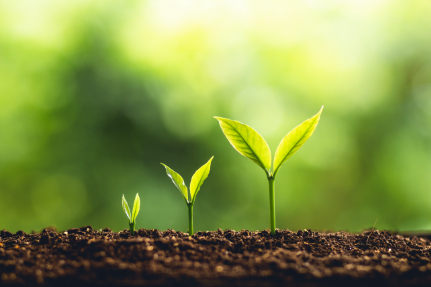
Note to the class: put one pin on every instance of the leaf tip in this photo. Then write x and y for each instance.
(210, 160)
(220, 119)
(320, 112)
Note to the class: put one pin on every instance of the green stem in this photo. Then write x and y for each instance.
(132, 227)
(271, 204)
(190, 207)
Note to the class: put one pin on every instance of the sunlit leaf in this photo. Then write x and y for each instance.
(198, 179)
(178, 181)
(136, 207)
(126, 207)
(247, 142)
(294, 140)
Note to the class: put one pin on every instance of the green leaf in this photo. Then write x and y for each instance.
(294, 140)
(136, 207)
(126, 207)
(198, 179)
(178, 182)
(247, 142)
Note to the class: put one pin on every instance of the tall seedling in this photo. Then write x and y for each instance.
(197, 180)
(251, 144)
(132, 216)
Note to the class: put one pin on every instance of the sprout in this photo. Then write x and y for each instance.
(197, 180)
(251, 144)
(132, 217)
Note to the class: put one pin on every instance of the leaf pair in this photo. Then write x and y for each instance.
(197, 180)
(136, 207)
(251, 144)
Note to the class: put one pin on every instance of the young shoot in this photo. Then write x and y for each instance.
(132, 217)
(197, 180)
(251, 144)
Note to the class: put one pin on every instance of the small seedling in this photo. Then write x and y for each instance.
(251, 144)
(132, 217)
(197, 180)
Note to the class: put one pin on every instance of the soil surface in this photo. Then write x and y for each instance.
(221, 258)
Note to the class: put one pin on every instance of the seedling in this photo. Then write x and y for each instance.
(197, 180)
(132, 217)
(251, 144)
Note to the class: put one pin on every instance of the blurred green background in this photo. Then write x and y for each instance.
(95, 94)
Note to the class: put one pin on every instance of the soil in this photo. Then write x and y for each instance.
(221, 258)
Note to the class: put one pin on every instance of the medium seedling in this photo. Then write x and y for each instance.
(132, 217)
(197, 180)
(251, 144)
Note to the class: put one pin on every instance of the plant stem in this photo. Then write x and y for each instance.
(190, 207)
(271, 204)
(132, 227)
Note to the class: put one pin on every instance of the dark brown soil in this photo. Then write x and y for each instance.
(222, 258)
